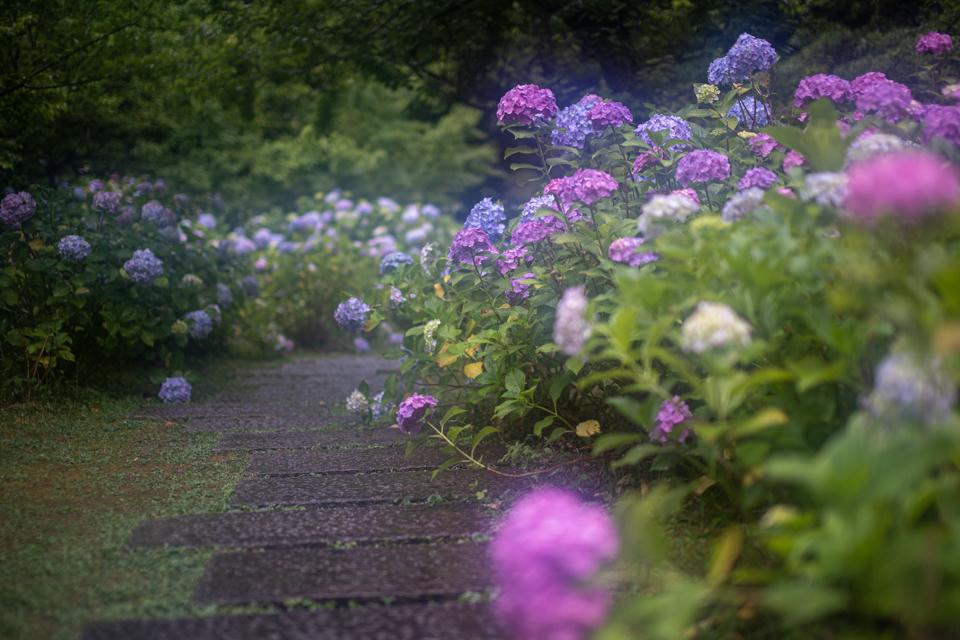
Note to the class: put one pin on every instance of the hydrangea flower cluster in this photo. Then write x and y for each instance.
(860, 84)
(891, 101)
(213, 311)
(379, 409)
(671, 414)
(942, 122)
(181, 201)
(428, 257)
(793, 159)
(757, 177)
(909, 185)
(153, 211)
(821, 85)
(762, 144)
(430, 335)
(749, 112)
(357, 403)
(179, 328)
(585, 185)
(676, 207)
(468, 246)
(935, 43)
(175, 391)
(741, 204)
(676, 128)
(412, 411)
(17, 208)
(519, 290)
(706, 93)
(609, 114)
(224, 295)
(625, 251)
(351, 315)
(250, 287)
(747, 55)
(529, 232)
(875, 144)
(574, 128)
(571, 327)
(512, 258)
(207, 220)
(702, 165)
(487, 215)
(200, 324)
(106, 201)
(535, 204)
(144, 267)
(548, 547)
(828, 189)
(527, 104)
(73, 248)
(711, 326)
(393, 260)
(909, 388)
(951, 91)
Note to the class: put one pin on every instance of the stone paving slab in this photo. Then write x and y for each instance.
(328, 439)
(287, 463)
(345, 574)
(272, 529)
(232, 410)
(448, 621)
(365, 489)
(272, 424)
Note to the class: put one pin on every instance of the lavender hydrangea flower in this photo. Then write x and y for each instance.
(942, 122)
(891, 101)
(94, 186)
(393, 261)
(488, 216)
(244, 245)
(757, 177)
(430, 211)
(535, 204)
(378, 408)
(549, 546)
(571, 328)
(671, 414)
(411, 214)
(17, 208)
(144, 187)
(574, 128)
(702, 165)
(144, 267)
(175, 391)
(518, 290)
(388, 204)
(361, 345)
(181, 201)
(126, 217)
(262, 238)
(250, 287)
(343, 205)
(935, 43)
(747, 55)
(793, 159)
(819, 86)
(609, 114)
(909, 185)
(106, 201)
(153, 211)
(625, 250)
(351, 315)
(719, 71)
(527, 104)
(741, 204)
(909, 388)
(676, 128)
(529, 232)
(828, 189)
(207, 220)
(749, 112)
(201, 323)
(412, 411)
(73, 248)
(287, 247)
(713, 325)
(469, 245)
(357, 403)
(224, 295)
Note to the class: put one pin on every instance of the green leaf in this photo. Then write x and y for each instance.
(514, 383)
(556, 434)
(560, 383)
(521, 149)
(416, 442)
(480, 436)
(163, 282)
(147, 338)
(446, 465)
(454, 411)
(637, 454)
(613, 440)
(364, 388)
(9, 296)
(542, 424)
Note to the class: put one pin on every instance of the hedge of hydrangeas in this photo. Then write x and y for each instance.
(755, 303)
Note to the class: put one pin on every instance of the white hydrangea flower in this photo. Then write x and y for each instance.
(428, 257)
(191, 281)
(906, 388)
(742, 203)
(571, 328)
(430, 334)
(828, 189)
(874, 145)
(713, 325)
(356, 402)
(675, 207)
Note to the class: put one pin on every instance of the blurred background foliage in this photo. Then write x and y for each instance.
(265, 102)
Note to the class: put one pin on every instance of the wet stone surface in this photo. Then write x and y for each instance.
(358, 460)
(272, 529)
(448, 621)
(349, 574)
(272, 423)
(329, 438)
(371, 488)
(229, 410)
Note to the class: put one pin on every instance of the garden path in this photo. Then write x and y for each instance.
(331, 512)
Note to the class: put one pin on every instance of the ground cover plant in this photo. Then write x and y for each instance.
(756, 303)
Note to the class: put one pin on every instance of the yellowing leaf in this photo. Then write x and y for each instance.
(725, 554)
(471, 351)
(438, 289)
(446, 278)
(588, 428)
(36, 244)
(82, 290)
(447, 360)
(703, 484)
(473, 370)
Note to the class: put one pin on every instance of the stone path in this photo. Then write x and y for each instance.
(369, 527)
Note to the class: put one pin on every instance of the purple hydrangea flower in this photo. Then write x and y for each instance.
(153, 211)
(144, 187)
(909, 185)
(677, 128)
(73, 248)
(430, 211)
(535, 204)
(244, 245)
(126, 217)
(207, 220)
(867, 81)
(181, 201)
(343, 205)
(175, 391)
(749, 112)
(287, 247)
(361, 345)
(17, 208)
(469, 244)
(702, 165)
(577, 127)
(144, 267)
(747, 55)
(935, 43)
(201, 323)
(250, 287)
(527, 104)
(392, 261)
(262, 238)
(942, 122)
(762, 144)
(672, 413)
(624, 250)
(352, 315)
(388, 204)
(589, 185)
(819, 86)
(107, 201)
(412, 411)
(488, 216)
(891, 101)
(160, 187)
(533, 231)
(757, 177)
(571, 327)
(549, 546)
(519, 290)
(609, 114)
(224, 295)
(306, 223)
(511, 259)
(94, 186)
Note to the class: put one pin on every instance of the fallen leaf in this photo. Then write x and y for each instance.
(588, 428)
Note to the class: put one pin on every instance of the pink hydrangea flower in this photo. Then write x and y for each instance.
(935, 43)
(793, 159)
(550, 544)
(688, 192)
(762, 144)
(624, 250)
(527, 104)
(909, 185)
(609, 114)
(590, 185)
(511, 259)
(702, 165)
(861, 83)
(819, 86)
(412, 411)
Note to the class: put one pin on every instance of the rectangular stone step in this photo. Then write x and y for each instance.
(314, 527)
(230, 410)
(408, 571)
(365, 489)
(288, 463)
(446, 621)
(271, 423)
(327, 439)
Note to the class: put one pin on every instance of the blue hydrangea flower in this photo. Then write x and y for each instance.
(202, 324)
(908, 387)
(250, 287)
(262, 238)
(73, 248)
(577, 126)
(749, 54)
(288, 247)
(79, 193)
(207, 220)
(429, 211)
(224, 295)
(488, 216)
(175, 391)
(352, 315)
(379, 409)
(144, 267)
(673, 126)
(535, 204)
(719, 71)
(361, 345)
(751, 115)
(153, 211)
(393, 260)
